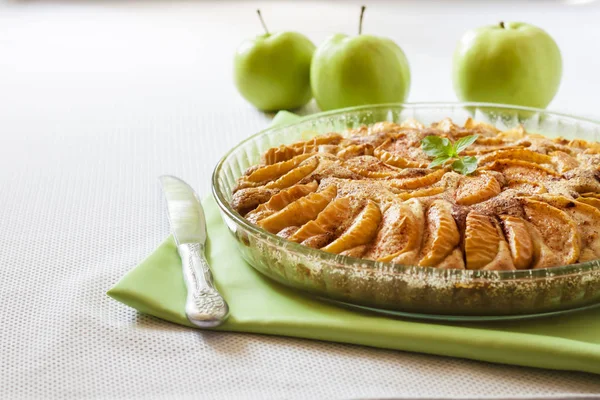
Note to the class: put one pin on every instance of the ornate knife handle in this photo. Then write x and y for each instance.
(204, 306)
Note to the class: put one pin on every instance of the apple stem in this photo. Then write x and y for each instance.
(362, 13)
(262, 21)
(502, 25)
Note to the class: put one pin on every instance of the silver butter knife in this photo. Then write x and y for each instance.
(204, 306)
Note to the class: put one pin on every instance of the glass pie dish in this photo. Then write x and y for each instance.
(405, 289)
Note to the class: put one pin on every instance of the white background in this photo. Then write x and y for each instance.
(99, 98)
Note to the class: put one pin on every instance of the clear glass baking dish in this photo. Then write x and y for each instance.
(403, 288)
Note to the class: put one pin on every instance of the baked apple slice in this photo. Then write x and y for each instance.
(360, 232)
(472, 190)
(278, 154)
(563, 162)
(300, 211)
(312, 144)
(591, 201)
(519, 241)
(481, 240)
(558, 234)
(420, 181)
(516, 154)
(517, 169)
(355, 150)
(295, 175)
(274, 171)
(586, 218)
(326, 222)
(399, 238)
(591, 194)
(281, 200)
(442, 234)
(454, 261)
(432, 191)
(397, 160)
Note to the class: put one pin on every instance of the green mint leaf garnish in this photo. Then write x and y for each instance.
(471, 163)
(435, 146)
(439, 161)
(442, 151)
(462, 143)
(465, 165)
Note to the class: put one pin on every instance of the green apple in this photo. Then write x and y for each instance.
(272, 71)
(364, 69)
(512, 63)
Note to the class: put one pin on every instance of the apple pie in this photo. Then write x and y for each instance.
(532, 202)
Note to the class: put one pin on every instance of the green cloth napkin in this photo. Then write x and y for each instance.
(259, 305)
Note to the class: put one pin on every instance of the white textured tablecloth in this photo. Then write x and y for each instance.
(98, 99)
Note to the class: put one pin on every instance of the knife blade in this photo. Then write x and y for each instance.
(204, 306)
